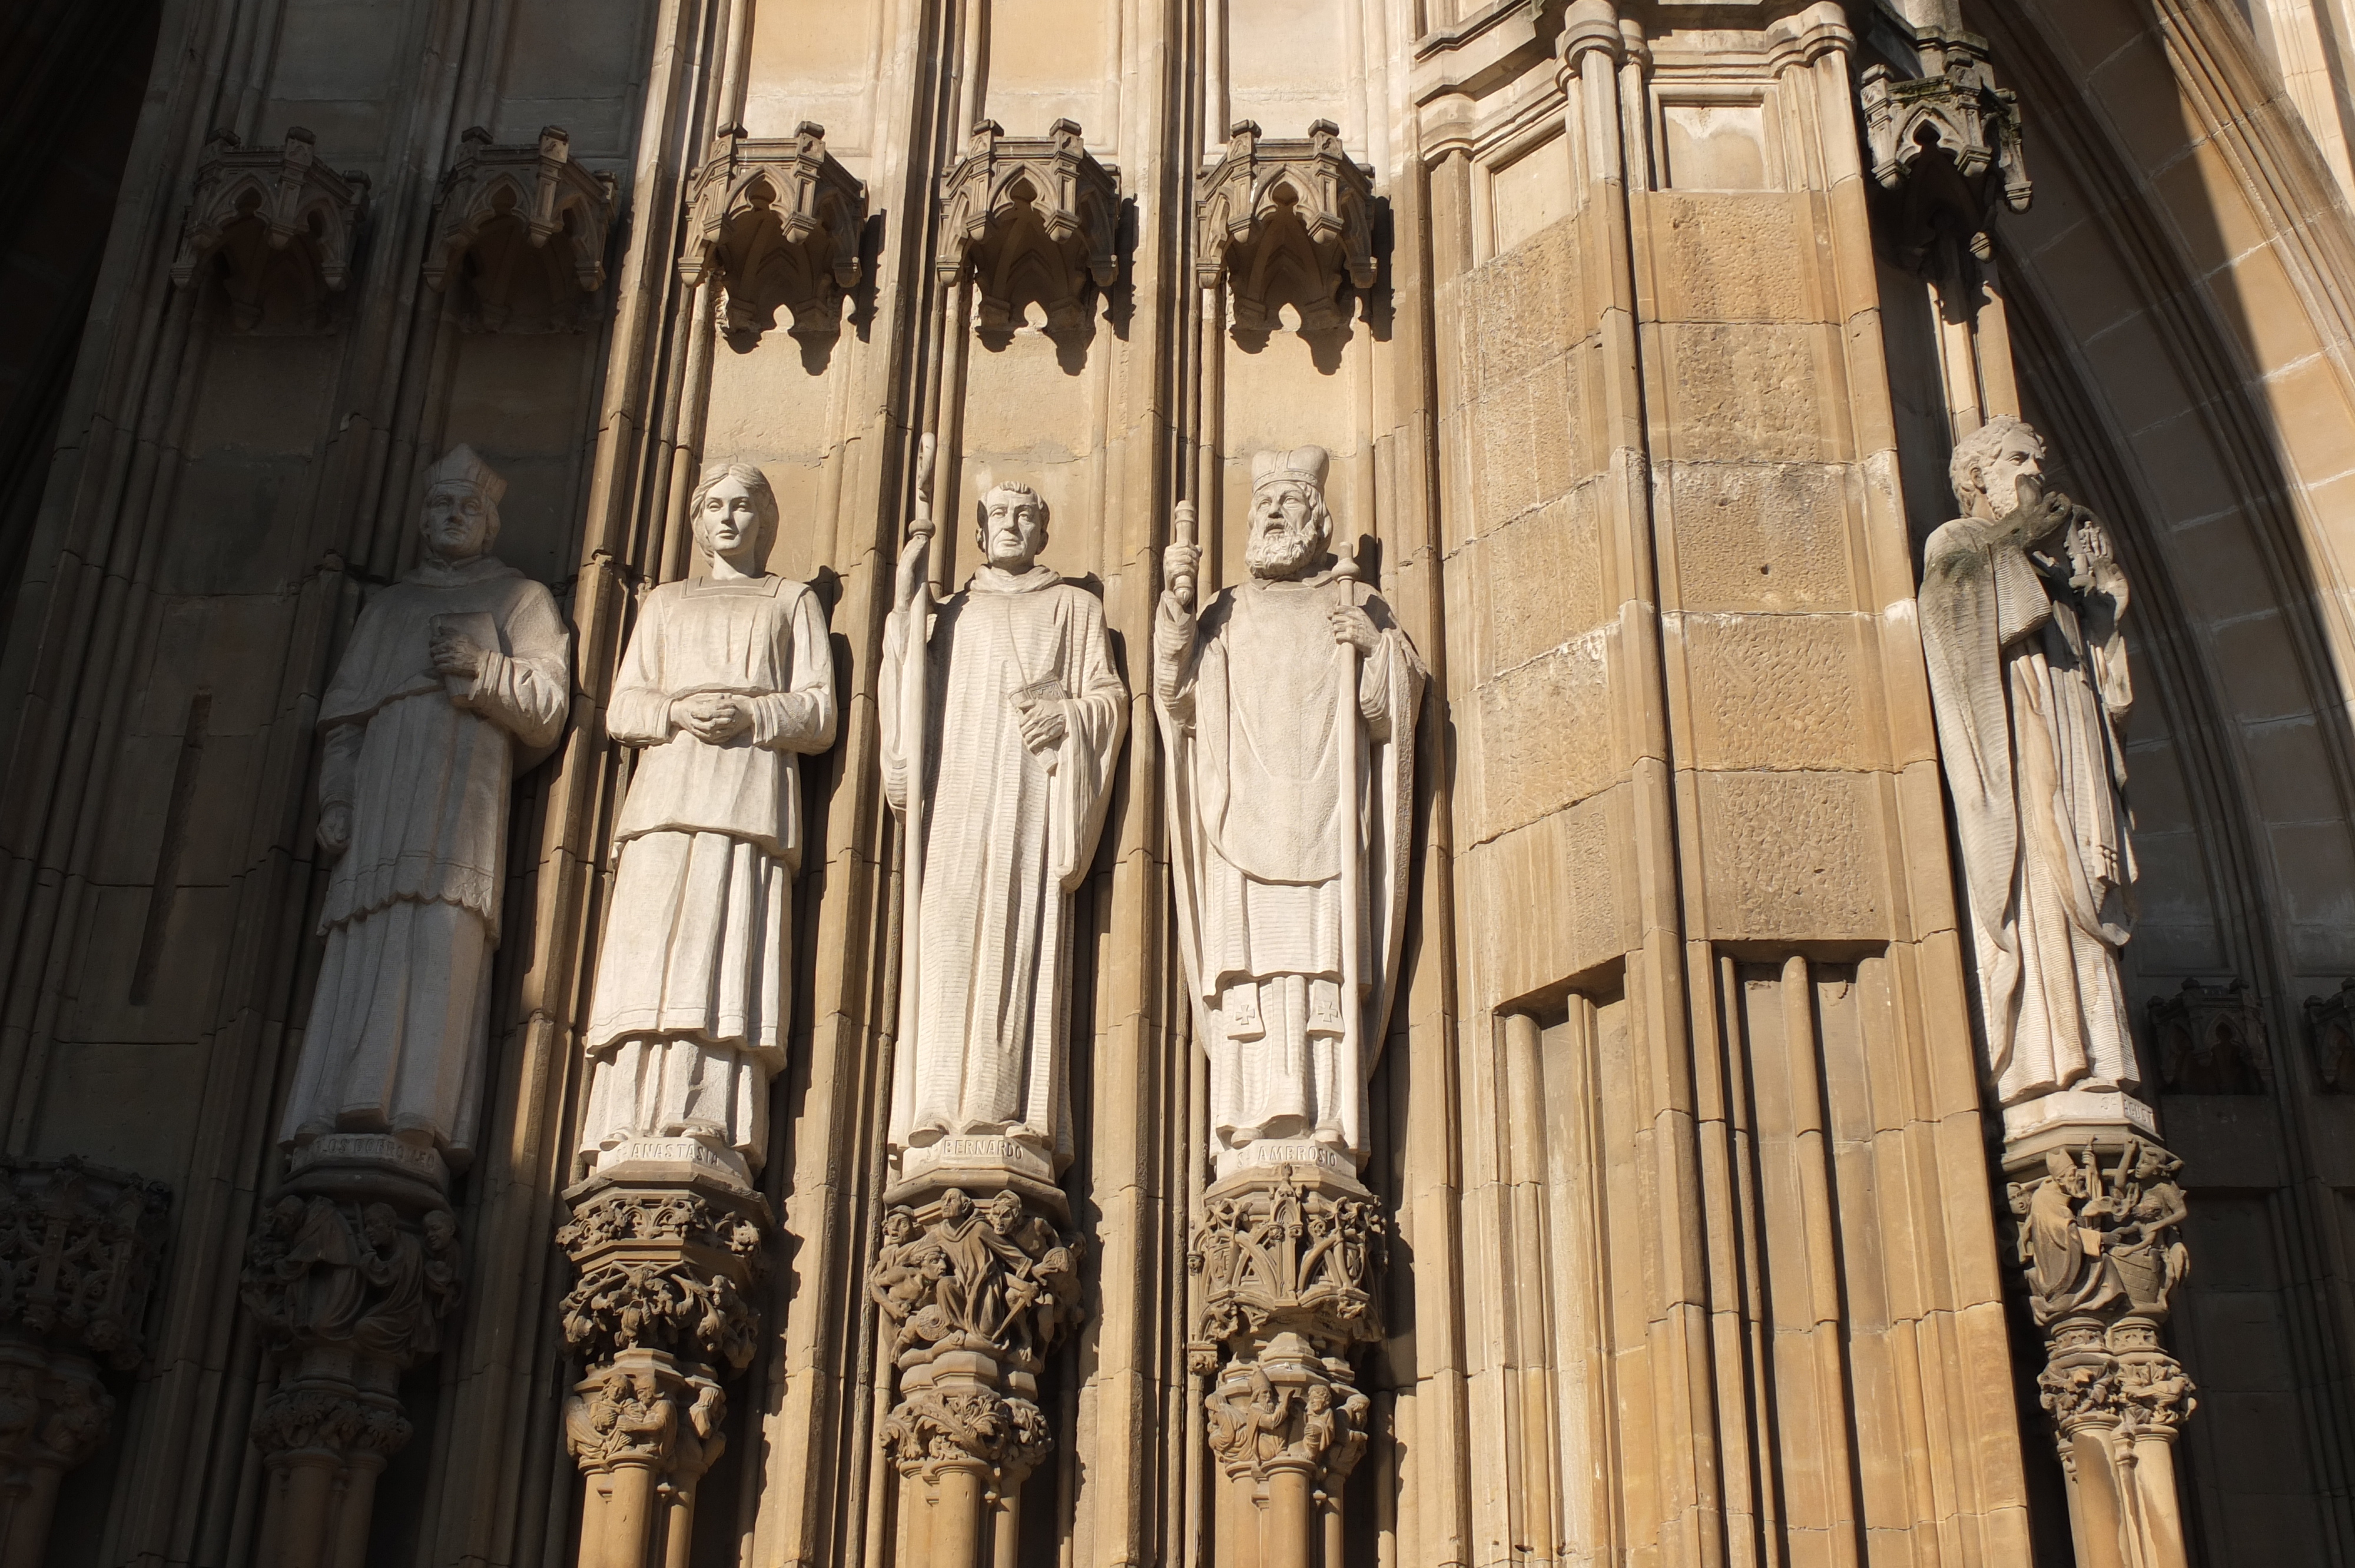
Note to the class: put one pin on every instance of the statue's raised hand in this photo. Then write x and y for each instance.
(1180, 565)
(336, 830)
(908, 579)
(1353, 628)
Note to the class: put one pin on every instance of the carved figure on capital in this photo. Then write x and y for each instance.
(2021, 602)
(456, 678)
(1009, 771)
(727, 679)
(1288, 713)
(995, 1278)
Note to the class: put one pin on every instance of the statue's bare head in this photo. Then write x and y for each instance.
(735, 514)
(461, 518)
(1989, 463)
(1009, 525)
(1290, 525)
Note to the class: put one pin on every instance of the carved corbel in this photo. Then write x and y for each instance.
(776, 223)
(1285, 222)
(1289, 1259)
(502, 207)
(79, 1249)
(2330, 1022)
(1947, 141)
(2100, 1242)
(660, 1313)
(2210, 1040)
(973, 1295)
(1034, 218)
(265, 213)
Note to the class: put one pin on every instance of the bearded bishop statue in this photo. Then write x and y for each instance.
(456, 677)
(2021, 601)
(1288, 715)
(728, 680)
(1012, 762)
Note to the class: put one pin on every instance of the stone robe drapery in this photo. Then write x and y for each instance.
(2029, 681)
(689, 1018)
(400, 1018)
(1263, 849)
(1010, 833)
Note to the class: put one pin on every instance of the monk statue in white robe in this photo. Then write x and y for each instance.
(2021, 601)
(1288, 715)
(728, 680)
(456, 677)
(1025, 716)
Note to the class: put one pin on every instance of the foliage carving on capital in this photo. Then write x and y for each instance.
(966, 1424)
(1034, 218)
(494, 196)
(254, 206)
(776, 223)
(662, 1270)
(1285, 222)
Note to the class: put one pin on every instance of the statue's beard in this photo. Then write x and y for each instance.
(1283, 553)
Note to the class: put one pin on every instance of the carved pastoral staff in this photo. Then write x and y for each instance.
(1289, 714)
(457, 676)
(1024, 723)
(2021, 601)
(727, 677)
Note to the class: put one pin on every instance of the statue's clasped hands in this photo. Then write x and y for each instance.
(712, 717)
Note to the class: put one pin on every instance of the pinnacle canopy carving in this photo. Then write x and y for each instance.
(1285, 222)
(1036, 217)
(776, 223)
(510, 207)
(254, 206)
(1953, 110)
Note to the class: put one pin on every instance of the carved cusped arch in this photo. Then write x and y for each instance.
(1036, 218)
(1285, 222)
(1949, 142)
(276, 218)
(778, 224)
(507, 218)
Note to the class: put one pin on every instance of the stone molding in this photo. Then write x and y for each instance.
(775, 223)
(1273, 213)
(1030, 213)
(250, 203)
(539, 187)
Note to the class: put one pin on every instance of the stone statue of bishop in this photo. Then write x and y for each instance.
(1288, 713)
(456, 677)
(1027, 713)
(2021, 601)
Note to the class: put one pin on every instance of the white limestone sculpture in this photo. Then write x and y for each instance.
(456, 676)
(1025, 721)
(2021, 601)
(1288, 717)
(727, 678)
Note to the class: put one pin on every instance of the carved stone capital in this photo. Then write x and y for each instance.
(2100, 1231)
(80, 1244)
(1035, 217)
(645, 1408)
(1285, 221)
(521, 206)
(360, 1276)
(1295, 1250)
(329, 1422)
(253, 205)
(966, 1423)
(777, 223)
(1288, 1412)
(665, 1269)
(1949, 139)
(2211, 1039)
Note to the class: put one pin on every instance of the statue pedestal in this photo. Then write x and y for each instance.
(1291, 1257)
(670, 1254)
(977, 1282)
